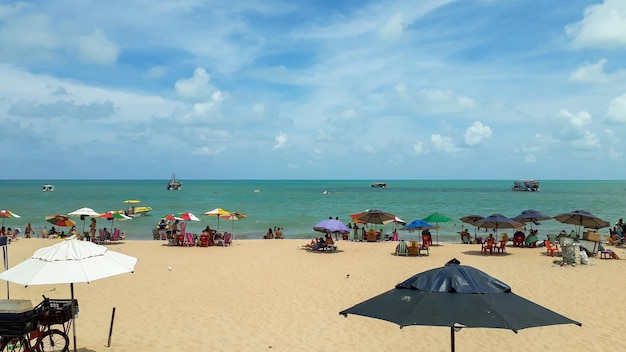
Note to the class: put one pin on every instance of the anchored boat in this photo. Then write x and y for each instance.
(526, 186)
(174, 184)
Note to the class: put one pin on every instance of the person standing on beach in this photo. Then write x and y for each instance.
(28, 230)
(92, 228)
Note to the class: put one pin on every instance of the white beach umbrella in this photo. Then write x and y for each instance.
(84, 213)
(67, 262)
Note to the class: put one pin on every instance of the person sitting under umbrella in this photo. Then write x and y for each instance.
(52, 231)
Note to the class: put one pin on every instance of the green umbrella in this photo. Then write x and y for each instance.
(437, 218)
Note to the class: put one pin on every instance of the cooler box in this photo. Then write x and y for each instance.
(591, 236)
(17, 317)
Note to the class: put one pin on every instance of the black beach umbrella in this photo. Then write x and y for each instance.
(530, 216)
(471, 219)
(497, 221)
(456, 296)
(582, 218)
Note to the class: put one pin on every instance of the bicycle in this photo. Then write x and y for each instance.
(32, 331)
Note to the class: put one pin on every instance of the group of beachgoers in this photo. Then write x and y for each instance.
(174, 232)
(276, 233)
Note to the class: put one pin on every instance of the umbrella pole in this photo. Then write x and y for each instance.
(73, 315)
(452, 338)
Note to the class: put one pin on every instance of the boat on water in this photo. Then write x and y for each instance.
(134, 210)
(48, 188)
(174, 184)
(379, 185)
(525, 186)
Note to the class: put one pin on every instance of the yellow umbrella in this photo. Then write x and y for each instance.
(217, 212)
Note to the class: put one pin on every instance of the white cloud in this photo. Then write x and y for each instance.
(443, 144)
(204, 150)
(617, 110)
(156, 72)
(418, 147)
(393, 27)
(437, 94)
(96, 48)
(281, 141)
(590, 73)
(476, 133)
(466, 102)
(578, 119)
(588, 141)
(603, 26)
(196, 88)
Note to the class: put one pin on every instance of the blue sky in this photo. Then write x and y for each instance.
(430, 89)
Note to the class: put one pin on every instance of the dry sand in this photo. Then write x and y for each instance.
(268, 295)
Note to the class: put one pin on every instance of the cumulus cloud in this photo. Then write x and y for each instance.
(616, 112)
(443, 144)
(588, 141)
(578, 119)
(63, 108)
(603, 26)
(590, 73)
(197, 88)
(96, 48)
(281, 141)
(476, 133)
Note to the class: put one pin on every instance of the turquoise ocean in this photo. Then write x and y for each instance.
(298, 205)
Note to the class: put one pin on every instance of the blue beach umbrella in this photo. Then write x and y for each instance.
(417, 225)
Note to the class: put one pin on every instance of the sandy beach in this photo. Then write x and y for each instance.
(260, 295)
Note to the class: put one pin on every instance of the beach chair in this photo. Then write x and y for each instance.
(101, 237)
(402, 249)
(413, 248)
(14, 236)
(116, 236)
(204, 240)
(551, 248)
(228, 238)
(189, 241)
(425, 247)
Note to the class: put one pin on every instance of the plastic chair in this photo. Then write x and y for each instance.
(502, 247)
(550, 248)
(402, 249)
(488, 246)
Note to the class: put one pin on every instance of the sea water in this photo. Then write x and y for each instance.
(297, 206)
